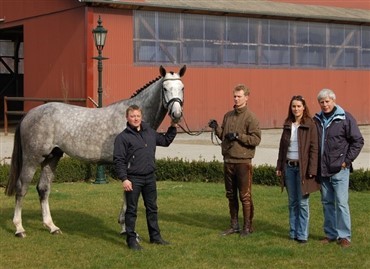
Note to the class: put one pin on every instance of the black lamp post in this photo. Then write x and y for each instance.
(100, 34)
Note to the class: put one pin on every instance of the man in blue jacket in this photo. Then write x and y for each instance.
(134, 160)
(340, 142)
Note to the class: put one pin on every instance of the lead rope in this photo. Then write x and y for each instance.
(187, 131)
(214, 136)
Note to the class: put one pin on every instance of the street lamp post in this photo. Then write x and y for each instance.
(100, 34)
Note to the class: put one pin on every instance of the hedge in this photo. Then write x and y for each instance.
(73, 170)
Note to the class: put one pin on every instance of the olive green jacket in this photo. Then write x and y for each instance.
(243, 122)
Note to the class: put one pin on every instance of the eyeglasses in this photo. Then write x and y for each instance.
(297, 97)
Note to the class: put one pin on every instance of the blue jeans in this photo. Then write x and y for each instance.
(334, 198)
(299, 210)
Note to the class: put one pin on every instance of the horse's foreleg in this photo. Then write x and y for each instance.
(121, 217)
(43, 189)
(46, 216)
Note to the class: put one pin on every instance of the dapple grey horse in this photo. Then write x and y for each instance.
(49, 130)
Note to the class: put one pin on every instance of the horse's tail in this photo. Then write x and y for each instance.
(16, 163)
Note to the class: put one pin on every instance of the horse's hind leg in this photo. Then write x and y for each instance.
(43, 189)
(23, 182)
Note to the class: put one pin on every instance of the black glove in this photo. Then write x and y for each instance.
(213, 124)
(231, 136)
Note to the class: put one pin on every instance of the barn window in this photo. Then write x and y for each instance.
(11, 57)
(206, 40)
(365, 47)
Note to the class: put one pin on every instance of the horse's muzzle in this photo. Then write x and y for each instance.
(175, 110)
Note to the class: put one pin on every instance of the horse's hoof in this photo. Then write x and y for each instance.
(56, 232)
(20, 235)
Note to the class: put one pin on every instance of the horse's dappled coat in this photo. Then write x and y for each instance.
(49, 130)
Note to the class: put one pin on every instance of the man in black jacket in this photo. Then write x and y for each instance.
(134, 160)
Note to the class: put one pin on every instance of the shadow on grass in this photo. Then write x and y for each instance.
(220, 223)
(70, 223)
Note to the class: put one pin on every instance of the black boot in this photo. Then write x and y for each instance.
(133, 244)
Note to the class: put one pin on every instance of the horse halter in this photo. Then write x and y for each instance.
(168, 104)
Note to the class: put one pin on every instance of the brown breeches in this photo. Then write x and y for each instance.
(238, 181)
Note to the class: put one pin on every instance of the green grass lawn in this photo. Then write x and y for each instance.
(191, 216)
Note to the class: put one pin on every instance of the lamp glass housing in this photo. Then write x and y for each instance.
(100, 33)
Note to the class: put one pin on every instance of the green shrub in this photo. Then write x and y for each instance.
(72, 170)
(4, 173)
(265, 175)
(195, 171)
(360, 180)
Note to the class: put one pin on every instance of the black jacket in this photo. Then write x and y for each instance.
(134, 151)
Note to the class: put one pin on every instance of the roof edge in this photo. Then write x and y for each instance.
(304, 16)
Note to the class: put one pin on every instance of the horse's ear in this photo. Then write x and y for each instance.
(182, 71)
(162, 71)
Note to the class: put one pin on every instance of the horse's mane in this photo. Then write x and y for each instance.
(145, 86)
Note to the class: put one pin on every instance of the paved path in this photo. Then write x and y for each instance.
(200, 147)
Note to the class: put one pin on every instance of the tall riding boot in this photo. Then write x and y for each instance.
(248, 216)
(245, 194)
(234, 223)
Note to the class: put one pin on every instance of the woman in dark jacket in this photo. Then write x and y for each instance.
(297, 165)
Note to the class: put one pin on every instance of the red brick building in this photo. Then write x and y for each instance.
(278, 48)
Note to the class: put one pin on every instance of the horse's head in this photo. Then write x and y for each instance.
(173, 92)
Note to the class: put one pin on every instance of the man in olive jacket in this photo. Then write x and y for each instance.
(240, 134)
